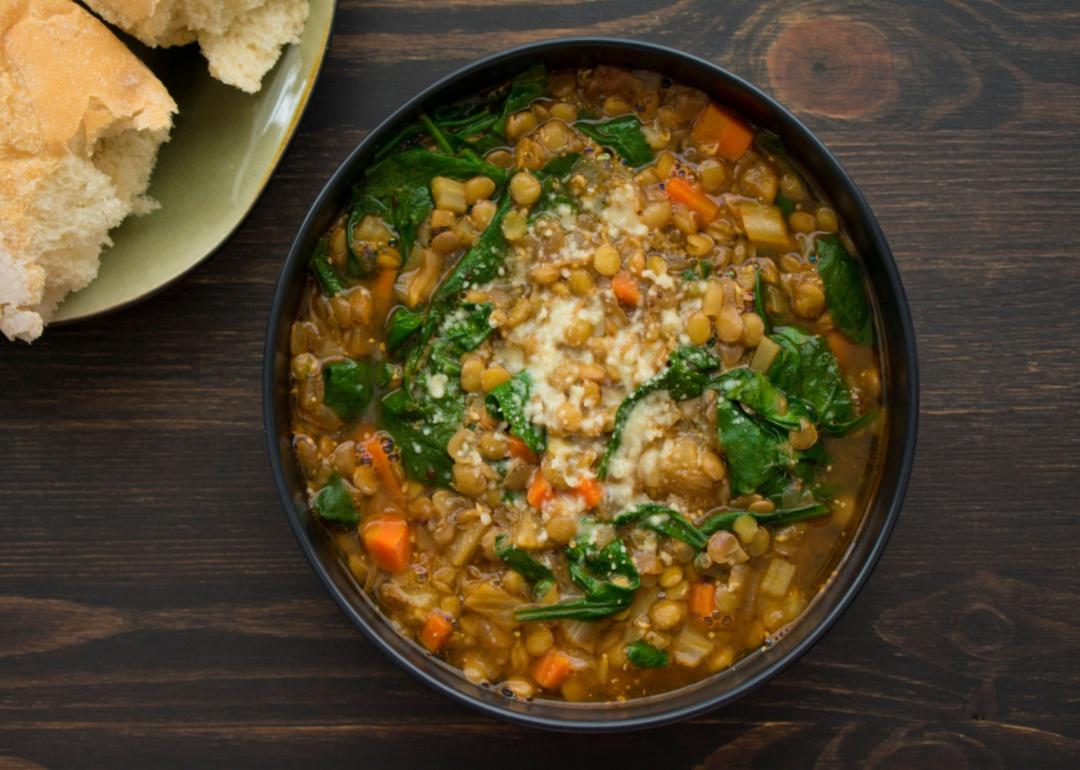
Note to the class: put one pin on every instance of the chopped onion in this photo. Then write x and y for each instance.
(643, 599)
(490, 600)
(777, 578)
(690, 646)
(582, 633)
(465, 543)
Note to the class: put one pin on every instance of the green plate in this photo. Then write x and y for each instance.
(225, 145)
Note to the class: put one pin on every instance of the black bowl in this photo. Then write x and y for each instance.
(901, 392)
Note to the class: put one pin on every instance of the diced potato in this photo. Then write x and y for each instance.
(777, 578)
(449, 194)
(764, 226)
(764, 355)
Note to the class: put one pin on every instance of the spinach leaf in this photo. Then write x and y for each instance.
(623, 135)
(808, 461)
(756, 453)
(421, 430)
(607, 576)
(529, 568)
(644, 655)
(329, 279)
(470, 127)
(806, 369)
(468, 327)
(699, 272)
(404, 136)
(421, 422)
(479, 124)
(726, 520)
(559, 168)
(755, 391)
(348, 387)
(525, 89)
(429, 408)
(666, 521)
(385, 373)
(759, 302)
(552, 177)
(770, 142)
(840, 428)
(845, 294)
(477, 266)
(571, 609)
(403, 322)
(508, 402)
(685, 376)
(785, 204)
(465, 112)
(397, 190)
(461, 332)
(334, 502)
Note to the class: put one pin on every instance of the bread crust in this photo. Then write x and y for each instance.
(66, 84)
(78, 96)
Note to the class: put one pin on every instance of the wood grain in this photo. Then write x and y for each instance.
(156, 612)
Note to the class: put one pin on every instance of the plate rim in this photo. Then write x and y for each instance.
(283, 147)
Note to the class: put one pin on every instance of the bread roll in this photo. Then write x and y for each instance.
(241, 39)
(81, 121)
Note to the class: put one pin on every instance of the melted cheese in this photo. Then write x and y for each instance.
(649, 420)
(621, 210)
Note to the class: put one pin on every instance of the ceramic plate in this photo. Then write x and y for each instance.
(225, 145)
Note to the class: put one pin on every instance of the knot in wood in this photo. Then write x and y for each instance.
(832, 66)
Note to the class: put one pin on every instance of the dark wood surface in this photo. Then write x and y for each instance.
(156, 612)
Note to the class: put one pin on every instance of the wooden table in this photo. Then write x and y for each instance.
(156, 612)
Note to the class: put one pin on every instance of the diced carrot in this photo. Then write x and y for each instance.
(717, 126)
(436, 631)
(625, 288)
(843, 348)
(540, 490)
(386, 539)
(520, 450)
(681, 191)
(702, 599)
(382, 292)
(591, 492)
(552, 669)
(375, 448)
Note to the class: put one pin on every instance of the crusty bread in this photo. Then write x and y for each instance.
(241, 39)
(81, 120)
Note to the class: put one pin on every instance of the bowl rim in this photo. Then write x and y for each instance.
(909, 389)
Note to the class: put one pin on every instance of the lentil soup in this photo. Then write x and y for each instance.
(585, 385)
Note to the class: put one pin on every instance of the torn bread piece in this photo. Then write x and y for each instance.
(241, 39)
(81, 121)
